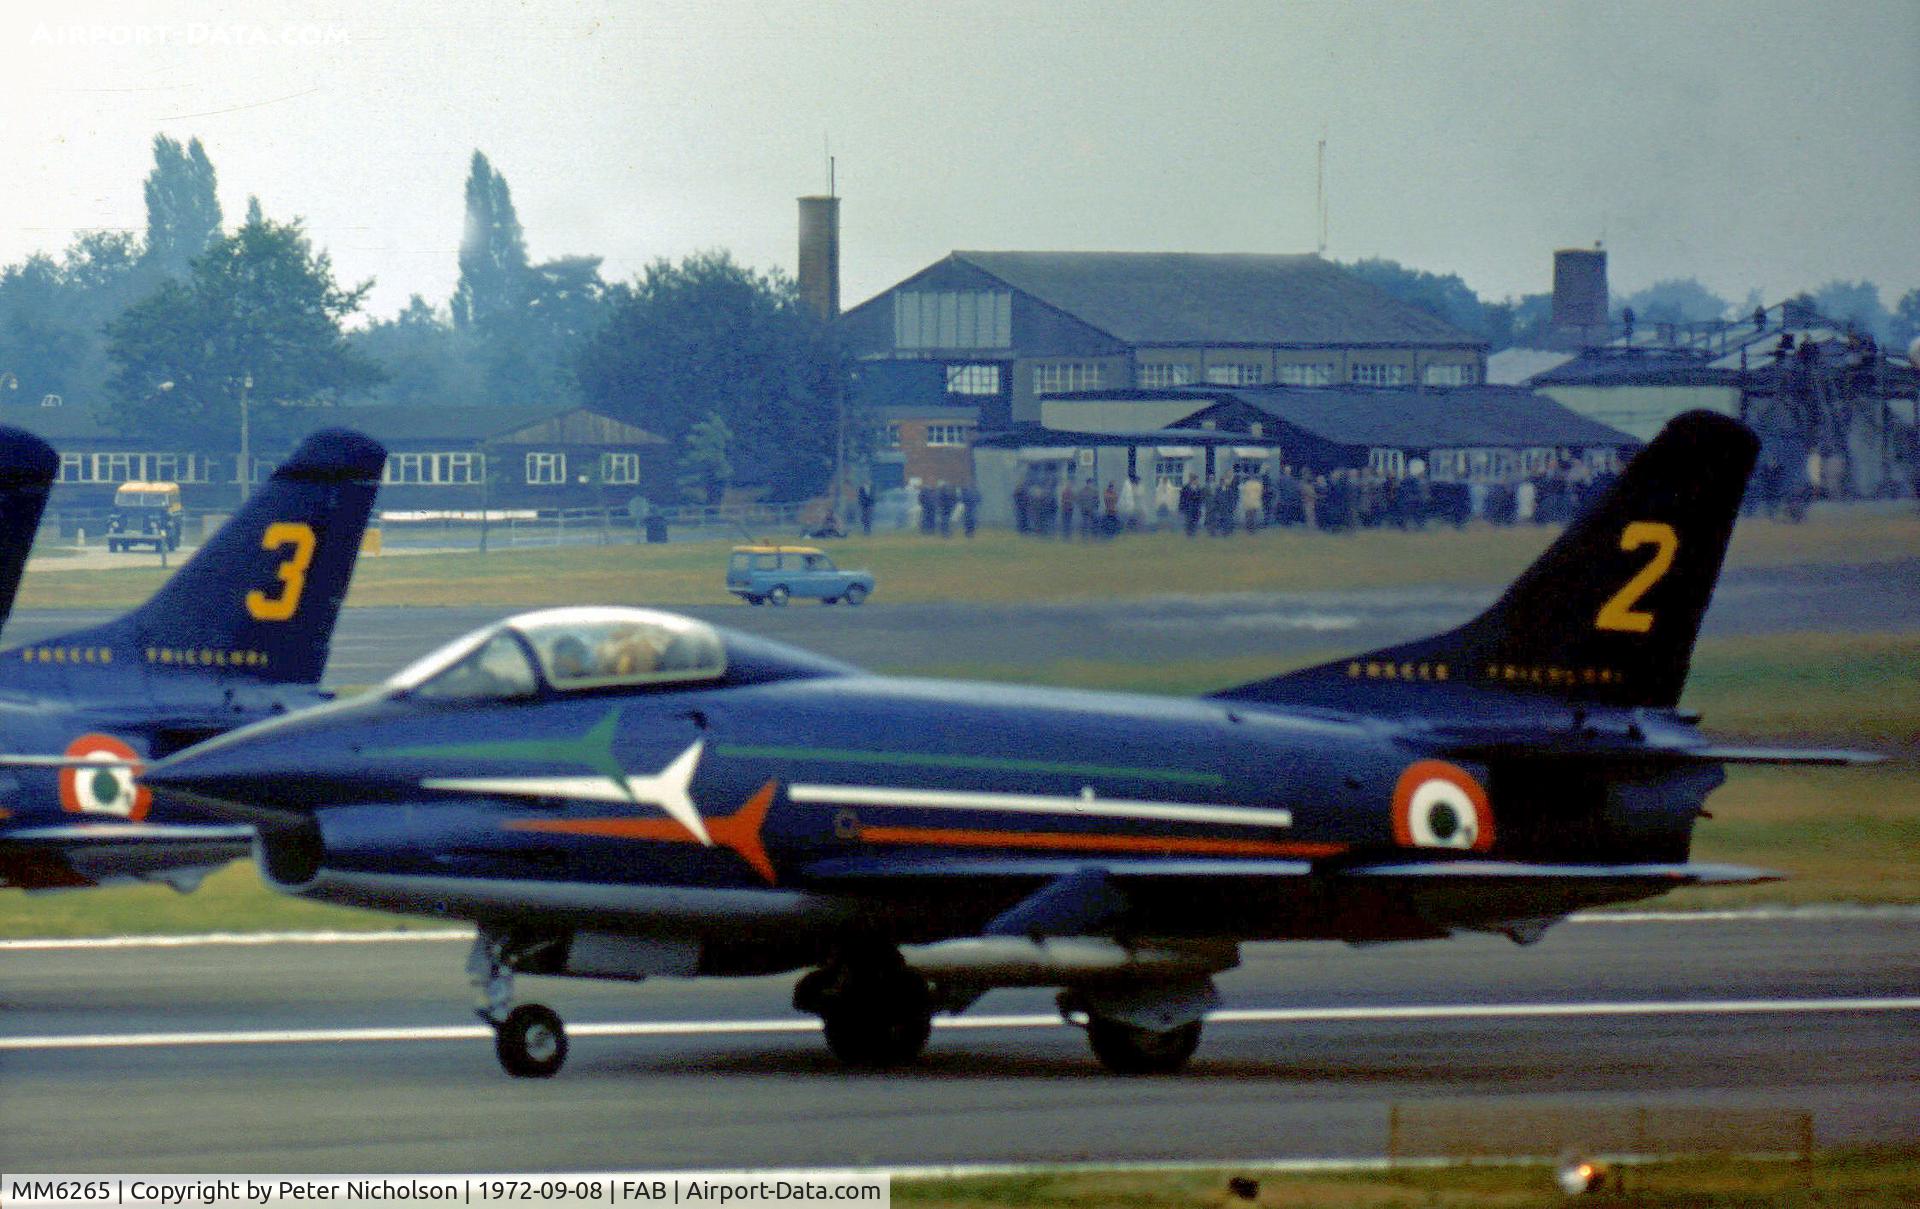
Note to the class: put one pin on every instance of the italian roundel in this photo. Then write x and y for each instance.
(1440, 805)
(108, 789)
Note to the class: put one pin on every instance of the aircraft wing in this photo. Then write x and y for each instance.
(1373, 901)
(78, 855)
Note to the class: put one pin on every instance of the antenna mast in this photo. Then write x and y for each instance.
(1320, 176)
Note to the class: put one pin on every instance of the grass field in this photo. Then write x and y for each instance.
(1002, 568)
(1866, 1179)
(1844, 835)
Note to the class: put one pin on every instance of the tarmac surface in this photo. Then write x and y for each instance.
(371, 644)
(206, 1058)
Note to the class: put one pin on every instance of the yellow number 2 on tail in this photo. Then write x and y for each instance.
(1618, 613)
(298, 539)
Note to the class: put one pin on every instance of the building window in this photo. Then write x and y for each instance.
(953, 319)
(1170, 470)
(1237, 373)
(621, 468)
(73, 468)
(178, 468)
(1306, 373)
(1451, 375)
(1249, 468)
(546, 469)
(1390, 462)
(1378, 373)
(976, 379)
(458, 468)
(948, 435)
(432, 469)
(1060, 377)
(890, 439)
(1165, 373)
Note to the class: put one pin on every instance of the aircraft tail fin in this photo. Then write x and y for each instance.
(27, 469)
(1609, 613)
(260, 597)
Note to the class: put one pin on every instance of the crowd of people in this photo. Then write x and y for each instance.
(1335, 501)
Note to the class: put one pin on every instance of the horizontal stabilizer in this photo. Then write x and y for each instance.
(1508, 744)
(1823, 756)
(75, 835)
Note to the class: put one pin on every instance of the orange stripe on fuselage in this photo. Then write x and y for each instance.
(738, 832)
(955, 837)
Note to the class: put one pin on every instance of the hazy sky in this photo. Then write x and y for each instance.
(1769, 145)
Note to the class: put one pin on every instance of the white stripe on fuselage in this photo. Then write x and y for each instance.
(666, 789)
(1086, 805)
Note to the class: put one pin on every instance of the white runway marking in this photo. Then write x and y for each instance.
(1814, 914)
(729, 1028)
(231, 938)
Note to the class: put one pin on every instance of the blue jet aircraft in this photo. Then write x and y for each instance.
(238, 635)
(621, 793)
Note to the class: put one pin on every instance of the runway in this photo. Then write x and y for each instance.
(361, 1057)
(371, 644)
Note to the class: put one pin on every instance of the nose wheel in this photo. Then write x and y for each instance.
(531, 1042)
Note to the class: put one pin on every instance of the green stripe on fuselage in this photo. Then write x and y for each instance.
(593, 749)
(832, 755)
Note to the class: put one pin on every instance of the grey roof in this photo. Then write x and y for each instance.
(460, 427)
(1207, 298)
(1433, 417)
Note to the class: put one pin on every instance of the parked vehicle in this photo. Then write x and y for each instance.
(777, 574)
(145, 514)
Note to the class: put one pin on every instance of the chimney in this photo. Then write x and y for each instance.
(1580, 296)
(820, 255)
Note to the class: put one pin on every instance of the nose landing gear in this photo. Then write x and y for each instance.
(529, 1040)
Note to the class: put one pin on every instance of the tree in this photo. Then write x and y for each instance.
(423, 360)
(258, 317)
(1676, 300)
(1905, 325)
(1447, 298)
(705, 469)
(52, 312)
(493, 253)
(1855, 304)
(183, 211)
(526, 322)
(710, 337)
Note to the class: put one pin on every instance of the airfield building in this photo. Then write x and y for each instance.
(1009, 330)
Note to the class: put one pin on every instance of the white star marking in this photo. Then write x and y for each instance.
(666, 789)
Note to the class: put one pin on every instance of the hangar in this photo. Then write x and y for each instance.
(1010, 329)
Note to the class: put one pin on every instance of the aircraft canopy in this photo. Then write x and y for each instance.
(568, 650)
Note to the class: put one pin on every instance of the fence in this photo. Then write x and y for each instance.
(516, 527)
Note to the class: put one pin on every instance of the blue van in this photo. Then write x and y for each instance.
(776, 574)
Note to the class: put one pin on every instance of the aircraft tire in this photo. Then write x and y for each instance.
(531, 1042)
(1129, 1050)
(881, 1023)
(777, 595)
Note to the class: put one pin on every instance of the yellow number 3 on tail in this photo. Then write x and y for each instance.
(1618, 613)
(298, 539)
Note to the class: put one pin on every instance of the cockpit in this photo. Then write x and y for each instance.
(567, 650)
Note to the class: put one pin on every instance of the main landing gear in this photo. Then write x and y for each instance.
(529, 1040)
(1145, 1031)
(876, 1012)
